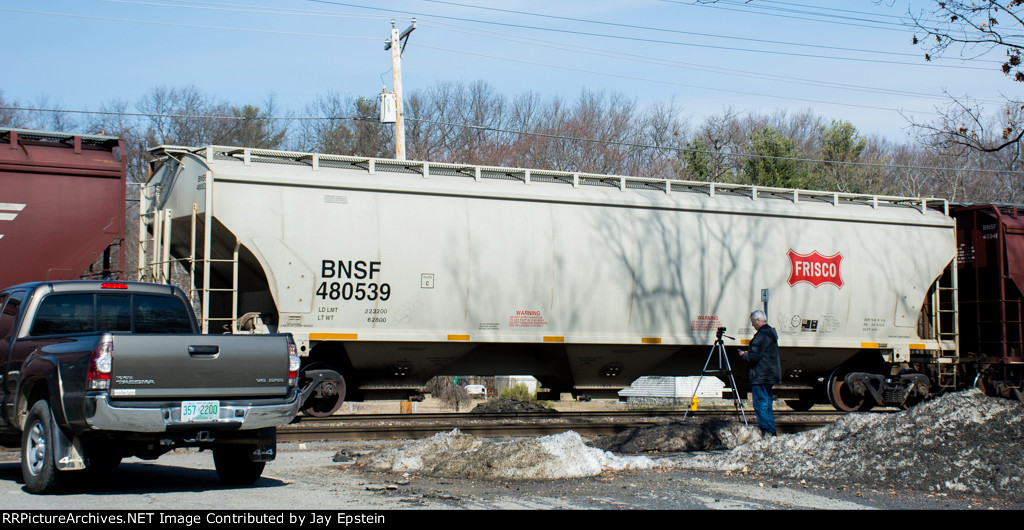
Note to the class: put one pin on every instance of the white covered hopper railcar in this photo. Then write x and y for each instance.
(389, 272)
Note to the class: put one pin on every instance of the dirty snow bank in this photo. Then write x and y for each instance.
(963, 442)
(454, 453)
(696, 434)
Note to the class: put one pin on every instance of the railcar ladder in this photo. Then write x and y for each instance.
(946, 319)
(207, 291)
(155, 263)
(154, 251)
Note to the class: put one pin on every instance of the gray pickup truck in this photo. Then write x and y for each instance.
(93, 372)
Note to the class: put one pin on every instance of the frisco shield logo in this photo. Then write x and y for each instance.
(815, 269)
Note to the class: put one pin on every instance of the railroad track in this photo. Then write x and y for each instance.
(412, 426)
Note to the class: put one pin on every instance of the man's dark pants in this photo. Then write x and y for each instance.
(762, 399)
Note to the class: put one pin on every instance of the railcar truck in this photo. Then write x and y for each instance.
(389, 272)
(96, 371)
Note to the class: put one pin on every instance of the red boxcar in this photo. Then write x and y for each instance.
(62, 206)
(990, 270)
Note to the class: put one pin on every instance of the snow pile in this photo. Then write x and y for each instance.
(963, 442)
(454, 453)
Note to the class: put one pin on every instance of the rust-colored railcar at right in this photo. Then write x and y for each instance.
(990, 271)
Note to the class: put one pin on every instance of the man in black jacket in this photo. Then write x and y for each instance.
(765, 370)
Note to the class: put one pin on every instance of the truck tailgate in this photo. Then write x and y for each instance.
(154, 367)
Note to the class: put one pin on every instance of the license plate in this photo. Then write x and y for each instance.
(200, 410)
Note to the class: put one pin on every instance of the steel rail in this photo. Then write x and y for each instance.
(414, 426)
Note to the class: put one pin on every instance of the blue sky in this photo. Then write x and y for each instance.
(850, 60)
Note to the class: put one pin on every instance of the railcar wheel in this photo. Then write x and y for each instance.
(802, 403)
(841, 398)
(328, 392)
(982, 383)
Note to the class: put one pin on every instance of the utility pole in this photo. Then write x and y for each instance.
(396, 80)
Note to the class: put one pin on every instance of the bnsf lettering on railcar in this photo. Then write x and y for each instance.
(359, 270)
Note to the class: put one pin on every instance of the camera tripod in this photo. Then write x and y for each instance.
(723, 368)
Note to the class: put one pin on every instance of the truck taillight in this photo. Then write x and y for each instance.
(100, 364)
(293, 364)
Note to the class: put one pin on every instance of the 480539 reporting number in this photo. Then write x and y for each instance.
(354, 291)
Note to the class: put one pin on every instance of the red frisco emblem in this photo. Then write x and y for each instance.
(815, 269)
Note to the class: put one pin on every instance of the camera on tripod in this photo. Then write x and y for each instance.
(721, 331)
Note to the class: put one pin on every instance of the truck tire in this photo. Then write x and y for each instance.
(233, 464)
(38, 465)
(103, 459)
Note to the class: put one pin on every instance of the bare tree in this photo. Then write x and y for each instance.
(189, 116)
(444, 389)
(10, 117)
(115, 119)
(975, 24)
(49, 117)
(979, 26)
(713, 153)
(254, 127)
(345, 126)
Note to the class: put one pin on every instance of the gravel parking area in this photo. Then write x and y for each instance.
(957, 452)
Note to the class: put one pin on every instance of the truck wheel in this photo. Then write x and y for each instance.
(38, 466)
(233, 464)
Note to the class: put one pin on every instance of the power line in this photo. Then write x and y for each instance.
(671, 83)
(681, 64)
(463, 52)
(788, 13)
(674, 31)
(235, 8)
(759, 10)
(676, 149)
(653, 41)
(180, 25)
(209, 5)
(182, 116)
(260, 9)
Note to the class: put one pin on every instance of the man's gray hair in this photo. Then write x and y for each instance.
(759, 315)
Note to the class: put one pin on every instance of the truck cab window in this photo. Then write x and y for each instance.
(161, 314)
(9, 314)
(65, 313)
(114, 313)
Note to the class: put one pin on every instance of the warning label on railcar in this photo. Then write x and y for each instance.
(705, 323)
(526, 319)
